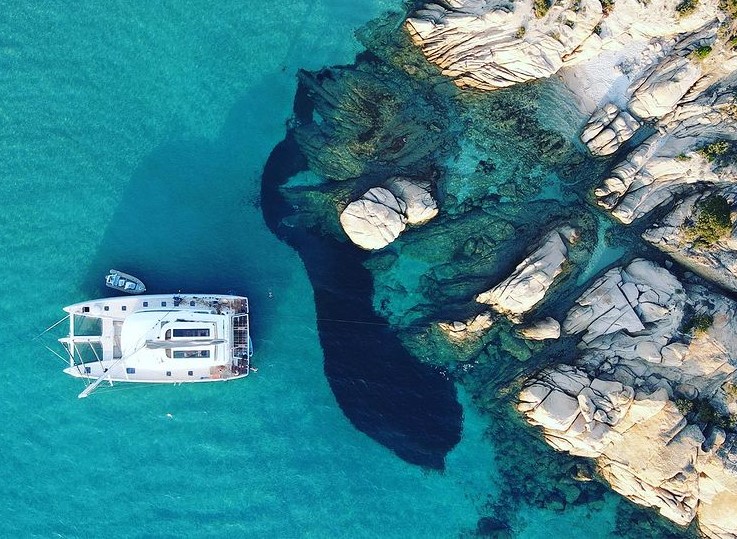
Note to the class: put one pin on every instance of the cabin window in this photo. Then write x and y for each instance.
(191, 303)
(184, 354)
(168, 352)
(192, 332)
(145, 303)
(107, 307)
(85, 309)
(163, 304)
(167, 335)
(124, 308)
(168, 373)
(87, 370)
(190, 373)
(130, 370)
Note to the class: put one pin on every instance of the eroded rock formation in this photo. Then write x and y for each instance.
(382, 213)
(629, 400)
(531, 279)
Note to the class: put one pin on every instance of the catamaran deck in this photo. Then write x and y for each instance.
(164, 338)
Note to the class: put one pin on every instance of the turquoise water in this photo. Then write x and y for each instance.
(133, 135)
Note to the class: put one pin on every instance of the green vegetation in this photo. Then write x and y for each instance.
(715, 150)
(699, 324)
(607, 6)
(730, 6)
(687, 7)
(701, 52)
(713, 222)
(684, 406)
(702, 411)
(541, 7)
(683, 157)
(730, 389)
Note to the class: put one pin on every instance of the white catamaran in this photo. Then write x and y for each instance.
(158, 339)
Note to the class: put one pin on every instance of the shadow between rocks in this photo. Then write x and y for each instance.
(405, 405)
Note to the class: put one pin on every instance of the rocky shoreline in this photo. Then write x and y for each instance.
(482, 227)
(650, 396)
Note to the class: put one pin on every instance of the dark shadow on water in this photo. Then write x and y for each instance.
(403, 404)
(185, 220)
(183, 224)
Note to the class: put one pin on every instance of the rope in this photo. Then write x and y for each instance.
(51, 327)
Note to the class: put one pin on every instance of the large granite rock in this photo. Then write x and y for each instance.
(607, 129)
(716, 262)
(668, 164)
(473, 328)
(420, 205)
(490, 45)
(382, 213)
(659, 93)
(531, 279)
(374, 220)
(547, 328)
(625, 300)
(617, 404)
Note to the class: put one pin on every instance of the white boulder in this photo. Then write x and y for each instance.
(531, 279)
(548, 328)
(374, 220)
(421, 206)
(382, 213)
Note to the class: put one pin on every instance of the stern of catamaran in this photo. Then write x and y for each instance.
(242, 347)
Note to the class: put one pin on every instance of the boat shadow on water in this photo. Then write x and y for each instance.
(407, 406)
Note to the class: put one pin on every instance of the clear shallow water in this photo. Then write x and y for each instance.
(133, 136)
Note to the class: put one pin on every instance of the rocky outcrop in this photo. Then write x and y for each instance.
(607, 129)
(645, 364)
(382, 213)
(374, 220)
(625, 300)
(547, 328)
(715, 261)
(659, 92)
(493, 45)
(531, 279)
(469, 329)
(490, 45)
(668, 164)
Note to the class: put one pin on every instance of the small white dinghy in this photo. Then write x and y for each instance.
(124, 282)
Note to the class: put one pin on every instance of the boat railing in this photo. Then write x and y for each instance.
(241, 343)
